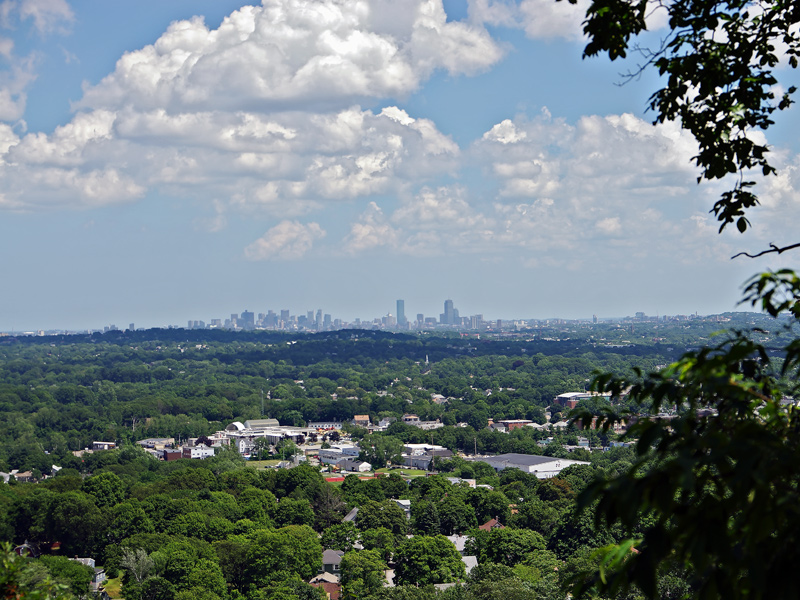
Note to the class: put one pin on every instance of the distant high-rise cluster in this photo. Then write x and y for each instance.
(450, 314)
(449, 320)
(319, 321)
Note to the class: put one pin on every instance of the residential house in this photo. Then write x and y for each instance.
(361, 421)
(325, 577)
(98, 577)
(331, 561)
(470, 562)
(351, 516)
(27, 549)
(332, 590)
(406, 506)
(491, 524)
(423, 461)
(329, 582)
(459, 541)
(458, 481)
(22, 476)
(385, 422)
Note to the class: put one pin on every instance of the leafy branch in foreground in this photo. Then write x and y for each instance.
(719, 60)
(719, 480)
(17, 582)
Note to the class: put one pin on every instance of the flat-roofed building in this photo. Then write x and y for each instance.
(156, 443)
(354, 465)
(543, 467)
(197, 452)
(332, 455)
(512, 424)
(571, 399)
(261, 423)
(326, 425)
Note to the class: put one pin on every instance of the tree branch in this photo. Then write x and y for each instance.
(772, 248)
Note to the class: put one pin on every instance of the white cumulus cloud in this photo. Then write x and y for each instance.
(258, 113)
(284, 163)
(298, 53)
(46, 15)
(288, 240)
(609, 225)
(541, 19)
(563, 188)
(371, 231)
(548, 19)
(443, 208)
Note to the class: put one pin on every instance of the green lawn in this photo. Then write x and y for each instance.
(113, 587)
(404, 472)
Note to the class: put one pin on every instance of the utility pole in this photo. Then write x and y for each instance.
(262, 402)
(432, 464)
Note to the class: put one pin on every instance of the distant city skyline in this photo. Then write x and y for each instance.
(213, 155)
(318, 320)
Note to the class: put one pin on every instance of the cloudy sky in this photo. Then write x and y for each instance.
(164, 161)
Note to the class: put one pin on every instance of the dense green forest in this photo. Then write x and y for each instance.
(58, 394)
(218, 529)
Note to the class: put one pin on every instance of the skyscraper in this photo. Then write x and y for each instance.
(247, 320)
(450, 314)
(401, 313)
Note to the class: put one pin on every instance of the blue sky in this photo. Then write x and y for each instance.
(165, 161)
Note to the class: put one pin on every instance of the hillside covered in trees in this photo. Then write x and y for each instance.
(219, 529)
(59, 394)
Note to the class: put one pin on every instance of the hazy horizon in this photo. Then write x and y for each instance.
(340, 154)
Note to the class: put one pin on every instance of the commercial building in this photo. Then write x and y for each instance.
(571, 399)
(336, 453)
(543, 467)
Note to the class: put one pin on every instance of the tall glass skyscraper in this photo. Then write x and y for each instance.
(401, 313)
(448, 317)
